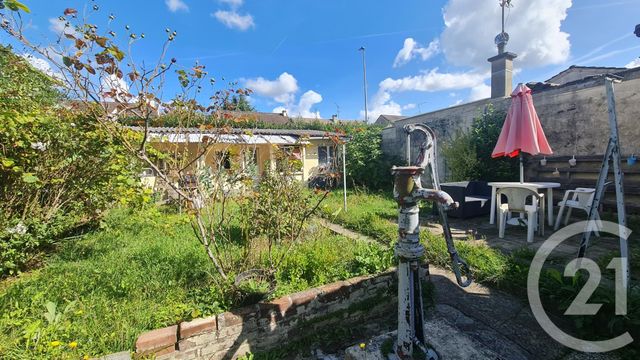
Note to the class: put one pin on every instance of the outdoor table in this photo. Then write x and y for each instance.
(535, 186)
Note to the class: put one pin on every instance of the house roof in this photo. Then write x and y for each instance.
(621, 74)
(273, 118)
(264, 117)
(391, 118)
(586, 70)
(250, 136)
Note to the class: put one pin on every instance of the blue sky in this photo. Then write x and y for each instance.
(421, 55)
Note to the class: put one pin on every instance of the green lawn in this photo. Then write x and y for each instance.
(141, 271)
(374, 215)
(367, 213)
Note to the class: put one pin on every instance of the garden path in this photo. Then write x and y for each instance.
(478, 322)
(338, 229)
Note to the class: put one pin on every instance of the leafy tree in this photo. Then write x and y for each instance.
(366, 164)
(484, 133)
(461, 158)
(468, 155)
(239, 103)
(24, 89)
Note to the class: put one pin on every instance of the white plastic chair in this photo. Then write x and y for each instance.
(581, 198)
(517, 202)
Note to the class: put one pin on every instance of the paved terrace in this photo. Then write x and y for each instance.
(478, 230)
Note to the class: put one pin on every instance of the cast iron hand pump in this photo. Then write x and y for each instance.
(408, 191)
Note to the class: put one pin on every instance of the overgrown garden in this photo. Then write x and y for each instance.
(88, 261)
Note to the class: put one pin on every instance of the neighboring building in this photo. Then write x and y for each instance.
(386, 120)
(571, 105)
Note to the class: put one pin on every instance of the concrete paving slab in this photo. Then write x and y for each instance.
(449, 342)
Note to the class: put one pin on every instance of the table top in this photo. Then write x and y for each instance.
(535, 185)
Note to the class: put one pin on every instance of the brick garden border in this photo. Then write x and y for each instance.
(274, 324)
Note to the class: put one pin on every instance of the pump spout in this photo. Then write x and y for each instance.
(437, 196)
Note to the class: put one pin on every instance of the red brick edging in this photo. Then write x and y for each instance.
(264, 325)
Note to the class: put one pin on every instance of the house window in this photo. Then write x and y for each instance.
(326, 155)
(224, 159)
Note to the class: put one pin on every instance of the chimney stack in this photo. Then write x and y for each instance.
(502, 74)
(334, 118)
(284, 113)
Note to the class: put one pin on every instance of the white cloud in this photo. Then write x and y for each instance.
(176, 5)
(61, 27)
(234, 20)
(534, 28)
(307, 100)
(412, 49)
(427, 81)
(633, 64)
(479, 92)
(304, 107)
(382, 104)
(467, 40)
(433, 80)
(233, 3)
(409, 107)
(282, 89)
(42, 65)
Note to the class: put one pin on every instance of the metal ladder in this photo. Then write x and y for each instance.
(612, 155)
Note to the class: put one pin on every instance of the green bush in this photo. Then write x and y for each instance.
(367, 165)
(461, 157)
(468, 155)
(58, 170)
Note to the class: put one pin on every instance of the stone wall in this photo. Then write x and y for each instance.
(574, 117)
(276, 324)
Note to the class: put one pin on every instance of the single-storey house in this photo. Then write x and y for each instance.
(248, 148)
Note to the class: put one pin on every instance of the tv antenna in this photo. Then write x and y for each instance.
(503, 38)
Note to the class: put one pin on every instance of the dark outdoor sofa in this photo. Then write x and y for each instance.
(473, 197)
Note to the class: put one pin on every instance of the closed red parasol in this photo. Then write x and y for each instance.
(521, 131)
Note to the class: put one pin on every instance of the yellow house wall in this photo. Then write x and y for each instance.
(310, 163)
(311, 160)
(191, 150)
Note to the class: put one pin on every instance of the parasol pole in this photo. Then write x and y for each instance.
(521, 168)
